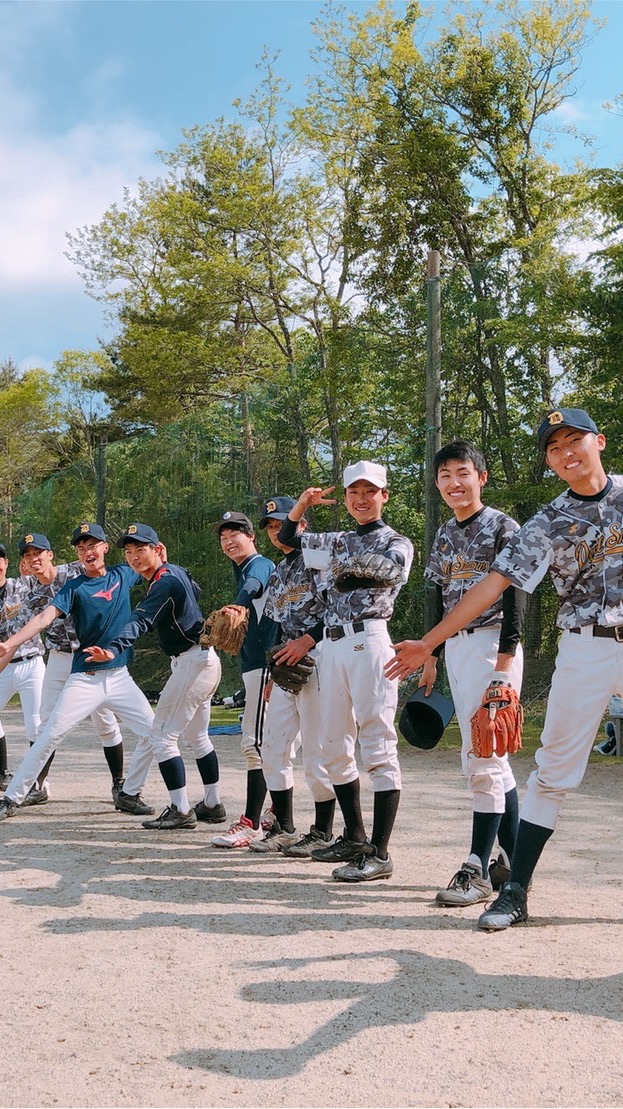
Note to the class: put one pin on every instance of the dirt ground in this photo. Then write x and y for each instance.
(150, 969)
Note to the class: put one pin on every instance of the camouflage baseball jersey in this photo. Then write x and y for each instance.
(293, 599)
(580, 541)
(462, 556)
(15, 611)
(329, 551)
(61, 634)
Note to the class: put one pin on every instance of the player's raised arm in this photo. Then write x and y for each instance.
(413, 653)
(35, 625)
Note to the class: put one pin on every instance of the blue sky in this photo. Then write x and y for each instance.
(91, 89)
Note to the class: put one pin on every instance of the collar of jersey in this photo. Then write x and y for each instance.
(593, 496)
(364, 529)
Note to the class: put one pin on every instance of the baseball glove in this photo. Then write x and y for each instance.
(225, 629)
(368, 571)
(291, 678)
(497, 724)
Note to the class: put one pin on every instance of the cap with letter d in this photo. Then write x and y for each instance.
(235, 520)
(365, 471)
(276, 509)
(138, 533)
(88, 531)
(575, 418)
(424, 719)
(34, 539)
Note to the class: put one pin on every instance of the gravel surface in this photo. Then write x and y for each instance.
(151, 969)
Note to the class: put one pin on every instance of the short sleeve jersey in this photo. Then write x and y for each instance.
(462, 556)
(99, 607)
(580, 541)
(15, 611)
(61, 634)
(329, 551)
(252, 577)
(293, 597)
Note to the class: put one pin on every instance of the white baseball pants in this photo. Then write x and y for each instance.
(57, 671)
(470, 664)
(82, 694)
(183, 708)
(588, 672)
(294, 720)
(253, 717)
(358, 702)
(26, 679)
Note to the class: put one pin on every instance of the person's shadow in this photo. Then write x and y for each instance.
(420, 984)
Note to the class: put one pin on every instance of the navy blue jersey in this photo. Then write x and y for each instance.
(171, 608)
(252, 578)
(99, 608)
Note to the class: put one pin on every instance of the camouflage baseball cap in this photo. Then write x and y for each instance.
(564, 417)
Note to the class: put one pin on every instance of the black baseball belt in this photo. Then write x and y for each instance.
(26, 658)
(340, 632)
(599, 632)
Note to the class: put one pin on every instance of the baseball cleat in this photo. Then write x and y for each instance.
(240, 834)
(5, 778)
(116, 787)
(466, 887)
(268, 819)
(210, 814)
(37, 796)
(367, 868)
(7, 808)
(302, 847)
(342, 850)
(132, 803)
(510, 907)
(274, 840)
(499, 870)
(171, 818)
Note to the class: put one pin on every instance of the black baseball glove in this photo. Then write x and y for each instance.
(291, 678)
(368, 571)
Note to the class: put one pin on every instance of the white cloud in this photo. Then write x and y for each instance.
(51, 185)
(56, 179)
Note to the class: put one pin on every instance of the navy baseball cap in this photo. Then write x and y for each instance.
(276, 509)
(236, 520)
(138, 533)
(34, 539)
(2, 550)
(564, 417)
(89, 531)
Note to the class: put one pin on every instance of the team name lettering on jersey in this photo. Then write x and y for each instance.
(462, 567)
(604, 544)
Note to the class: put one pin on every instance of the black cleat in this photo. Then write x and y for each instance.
(132, 803)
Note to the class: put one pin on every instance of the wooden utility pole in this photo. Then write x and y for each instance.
(433, 413)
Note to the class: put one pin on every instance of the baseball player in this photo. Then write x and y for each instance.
(171, 608)
(578, 537)
(45, 580)
(295, 603)
(24, 669)
(487, 650)
(252, 571)
(354, 650)
(98, 602)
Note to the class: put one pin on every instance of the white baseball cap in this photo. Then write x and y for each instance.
(365, 471)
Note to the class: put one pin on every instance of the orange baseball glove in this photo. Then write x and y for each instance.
(497, 724)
